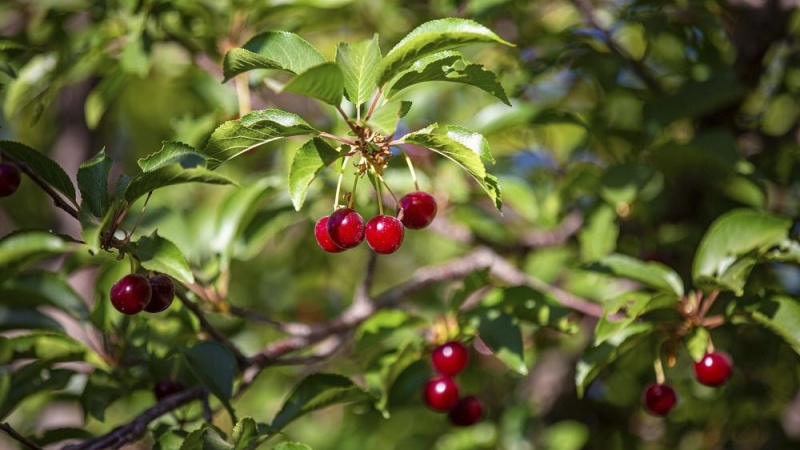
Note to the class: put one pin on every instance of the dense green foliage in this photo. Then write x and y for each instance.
(617, 193)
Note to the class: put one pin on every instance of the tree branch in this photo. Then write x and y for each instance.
(18, 437)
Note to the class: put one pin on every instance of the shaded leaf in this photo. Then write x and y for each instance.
(21, 318)
(324, 82)
(501, 333)
(215, 367)
(170, 175)
(93, 183)
(99, 99)
(245, 434)
(697, 343)
(597, 358)
(599, 236)
(43, 288)
(23, 248)
(292, 446)
(31, 85)
(45, 168)
(385, 118)
(172, 152)
(38, 376)
(781, 314)
(315, 392)
(529, 305)
(652, 274)
(159, 254)
(308, 162)
(359, 65)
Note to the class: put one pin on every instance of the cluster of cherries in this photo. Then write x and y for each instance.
(441, 392)
(134, 293)
(345, 228)
(10, 178)
(713, 369)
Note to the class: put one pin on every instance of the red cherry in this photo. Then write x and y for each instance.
(450, 358)
(419, 209)
(10, 179)
(468, 411)
(165, 388)
(659, 399)
(131, 294)
(714, 368)
(384, 234)
(441, 393)
(163, 293)
(323, 238)
(346, 228)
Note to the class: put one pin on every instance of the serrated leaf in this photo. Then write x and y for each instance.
(359, 65)
(280, 50)
(652, 274)
(45, 168)
(172, 152)
(464, 147)
(235, 137)
(245, 434)
(93, 183)
(500, 332)
(697, 343)
(324, 82)
(432, 37)
(43, 288)
(214, 365)
(780, 314)
(32, 83)
(208, 437)
(21, 249)
(159, 254)
(449, 66)
(168, 176)
(315, 392)
(308, 162)
(731, 246)
(385, 118)
(292, 446)
(597, 358)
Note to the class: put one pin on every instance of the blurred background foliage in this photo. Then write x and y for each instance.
(645, 119)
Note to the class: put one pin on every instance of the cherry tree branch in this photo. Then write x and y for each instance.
(5, 427)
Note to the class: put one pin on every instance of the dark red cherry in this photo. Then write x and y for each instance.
(163, 292)
(323, 238)
(10, 178)
(384, 234)
(659, 399)
(450, 358)
(419, 209)
(346, 228)
(714, 368)
(165, 388)
(441, 393)
(468, 411)
(131, 294)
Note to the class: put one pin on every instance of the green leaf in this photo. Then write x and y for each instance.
(52, 346)
(597, 358)
(93, 183)
(172, 152)
(208, 437)
(432, 37)
(292, 446)
(159, 254)
(449, 66)
(652, 274)
(99, 99)
(235, 213)
(245, 434)
(32, 84)
(632, 305)
(315, 392)
(215, 367)
(308, 162)
(780, 314)
(501, 333)
(359, 65)
(280, 50)
(385, 118)
(43, 288)
(324, 82)
(599, 236)
(45, 168)
(168, 176)
(529, 305)
(235, 137)
(732, 245)
(696, 98)
(464, 147)
(21, 318)
(23, 248)
(38, 376)
(697, 343)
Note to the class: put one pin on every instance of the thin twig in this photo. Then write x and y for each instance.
(212, 331)
(341, 139)
(373, 104)
(290, 328)
(18, 437)
(58, 199)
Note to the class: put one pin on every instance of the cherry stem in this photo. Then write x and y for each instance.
(411, 169)
(659, 369)
(388, 189)
(141, 213)
(707, 303)
(714, 322)
(352, 198)
(378, 192)
(339, 183)
(373, 104)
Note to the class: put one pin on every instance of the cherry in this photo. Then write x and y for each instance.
(450, 358)
(468, 411)
(346, 228)
(714, 368)
(441, 393)
(659, 399)
(419, 209)
(323, 238)
(131, 294)
(10, 178)
(384, 234)
(163, 293)
(165, 388)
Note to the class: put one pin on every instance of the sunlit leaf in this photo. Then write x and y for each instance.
(172, 152)
(359, 64)
(93, 183)
(324, 82)
(159, 254)
(308, 162)
(652, 274)
(170, 175)
(315, 392)
(280, 50)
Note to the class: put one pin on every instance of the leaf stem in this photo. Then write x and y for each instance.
(352, 198)
(348, 121)
(373, 104)
(659, 369)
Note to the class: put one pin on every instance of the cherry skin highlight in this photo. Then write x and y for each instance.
(323, 238)
(384, 234)
(468, 411)
(450, 358)
(419, 209)
(10, 178)
(163, 293)
(659, 399)
(714, 369)
(346, 228)
(441, 393)
(131, 294)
